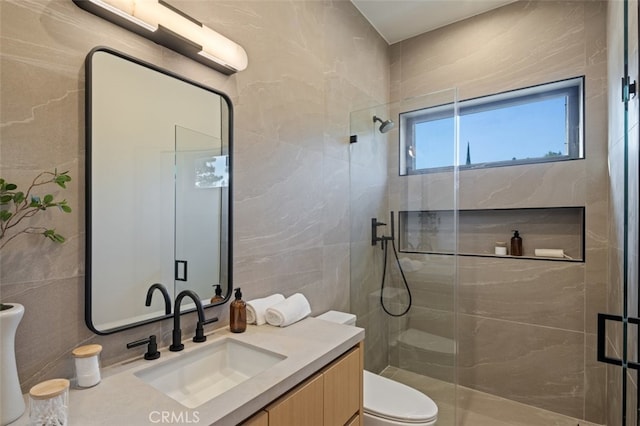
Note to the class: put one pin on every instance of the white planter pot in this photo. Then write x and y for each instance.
(11, 401)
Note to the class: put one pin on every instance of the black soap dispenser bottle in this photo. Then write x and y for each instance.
(238, 312)
(516, 244)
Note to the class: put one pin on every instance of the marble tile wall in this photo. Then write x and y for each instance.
(310, 65)
(525, 329)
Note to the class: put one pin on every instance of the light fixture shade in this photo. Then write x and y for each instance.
(169, 27)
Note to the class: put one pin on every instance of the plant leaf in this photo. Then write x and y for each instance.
(61, 179)
(51, 234)
(28, 206)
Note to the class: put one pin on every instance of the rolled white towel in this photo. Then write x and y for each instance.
(257, 308)
(549, 252)
(290, 310)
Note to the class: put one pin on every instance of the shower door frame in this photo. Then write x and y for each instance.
(629, 90)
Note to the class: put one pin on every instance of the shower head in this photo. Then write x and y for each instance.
(385, 125)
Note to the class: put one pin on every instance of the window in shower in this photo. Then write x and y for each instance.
(532, 125)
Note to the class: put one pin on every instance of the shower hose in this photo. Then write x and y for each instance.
(385, 246)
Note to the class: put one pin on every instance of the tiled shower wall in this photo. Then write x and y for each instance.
(525, 328)
(310, 65)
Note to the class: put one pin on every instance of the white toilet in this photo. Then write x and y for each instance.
(387, 402)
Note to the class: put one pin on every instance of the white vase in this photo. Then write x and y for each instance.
(11, 401)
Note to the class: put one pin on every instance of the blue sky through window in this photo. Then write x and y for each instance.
(528, 130)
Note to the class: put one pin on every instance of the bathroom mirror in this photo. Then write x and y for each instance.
(158, 195)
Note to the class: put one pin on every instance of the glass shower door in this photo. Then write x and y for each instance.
(403, 241)
(618, 329)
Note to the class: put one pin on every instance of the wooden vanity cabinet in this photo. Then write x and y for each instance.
(331, 397)
(259, 419)
(343, 388)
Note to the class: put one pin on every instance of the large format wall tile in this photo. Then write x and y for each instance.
(538, 292)
(595, 383)
(535, 365)
(514, 46)
(431, 279)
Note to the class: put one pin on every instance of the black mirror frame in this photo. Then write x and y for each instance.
(226, 266)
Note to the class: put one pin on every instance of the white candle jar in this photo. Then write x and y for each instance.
(501, 248)
(87, 361)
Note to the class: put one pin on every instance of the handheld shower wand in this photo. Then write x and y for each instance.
(385, 246)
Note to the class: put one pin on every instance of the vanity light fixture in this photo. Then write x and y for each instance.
(164, 24)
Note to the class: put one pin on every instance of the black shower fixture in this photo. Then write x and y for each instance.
(385, 125)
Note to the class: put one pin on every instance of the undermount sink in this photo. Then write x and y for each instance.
(198, 376)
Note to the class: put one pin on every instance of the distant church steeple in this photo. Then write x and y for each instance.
(468, 155)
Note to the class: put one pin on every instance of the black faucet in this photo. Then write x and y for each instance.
(165, 295)
(152, 347)
(177, 346)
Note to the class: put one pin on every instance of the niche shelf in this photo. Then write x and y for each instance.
(432, 231)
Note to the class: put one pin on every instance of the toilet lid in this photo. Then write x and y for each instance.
(395, 401)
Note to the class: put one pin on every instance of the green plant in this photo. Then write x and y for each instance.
(16, 206)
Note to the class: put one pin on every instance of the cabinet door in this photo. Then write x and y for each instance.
(355, 421)
(342, 386)
(260, 419)
(302, 406)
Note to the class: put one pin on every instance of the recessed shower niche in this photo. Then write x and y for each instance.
(432, 231)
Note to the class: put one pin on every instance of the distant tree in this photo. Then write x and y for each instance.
(553, 154)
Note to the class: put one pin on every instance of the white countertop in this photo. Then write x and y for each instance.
(121, 398)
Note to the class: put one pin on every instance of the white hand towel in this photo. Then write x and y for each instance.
(288, 311)
(257, 308)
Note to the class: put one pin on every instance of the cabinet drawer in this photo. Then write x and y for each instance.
(302, 406)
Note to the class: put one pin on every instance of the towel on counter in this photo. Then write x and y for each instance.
(257, 308)
(288, 311)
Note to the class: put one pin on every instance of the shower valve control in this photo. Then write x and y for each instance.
(374, 231)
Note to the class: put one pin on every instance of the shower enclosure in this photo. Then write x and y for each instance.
(549, 337)
(446, 312)
(410, 332)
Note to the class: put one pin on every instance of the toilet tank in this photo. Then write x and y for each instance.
(338, 317)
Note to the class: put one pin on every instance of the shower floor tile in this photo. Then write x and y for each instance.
(477, 408)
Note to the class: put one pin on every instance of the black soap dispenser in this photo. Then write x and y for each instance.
(516, 244)
(238, 312)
